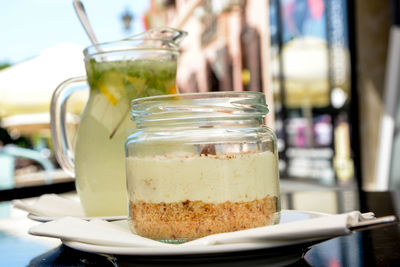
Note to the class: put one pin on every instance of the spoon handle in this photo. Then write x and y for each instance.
(375, 223)
(83, 18)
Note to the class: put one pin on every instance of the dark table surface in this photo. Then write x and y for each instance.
(376, 247)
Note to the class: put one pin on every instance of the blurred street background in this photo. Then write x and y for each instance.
(320, 63)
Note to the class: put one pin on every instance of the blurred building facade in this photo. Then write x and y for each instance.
(312, 89)
(296, 52)
(227, 48)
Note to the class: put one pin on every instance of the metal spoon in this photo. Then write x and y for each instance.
(83, 18)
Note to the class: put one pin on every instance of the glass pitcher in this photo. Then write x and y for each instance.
(117, 72)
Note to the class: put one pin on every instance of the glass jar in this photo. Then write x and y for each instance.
(200, 164)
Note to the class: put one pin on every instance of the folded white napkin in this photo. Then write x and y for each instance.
(51, 205)
(327, 226)
(95, 231)
(117, 234)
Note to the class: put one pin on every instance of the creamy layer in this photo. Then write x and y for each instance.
(211, 179)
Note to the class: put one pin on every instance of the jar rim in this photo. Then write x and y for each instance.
(199, 106)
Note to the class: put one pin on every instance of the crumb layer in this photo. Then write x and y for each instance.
(193, 219)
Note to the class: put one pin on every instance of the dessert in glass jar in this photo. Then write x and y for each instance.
(201, 164)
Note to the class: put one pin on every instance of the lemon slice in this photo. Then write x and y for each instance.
(135, 87)
(111, 85)
(173, 89)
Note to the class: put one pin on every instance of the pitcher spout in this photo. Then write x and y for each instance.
(171, 35)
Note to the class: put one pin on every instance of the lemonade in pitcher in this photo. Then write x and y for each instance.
(106, 124)
(117, 73)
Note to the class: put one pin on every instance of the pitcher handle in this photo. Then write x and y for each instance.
(62, 144)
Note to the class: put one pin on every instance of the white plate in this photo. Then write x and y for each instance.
(48, 219)
(286, 216)
(65, 205)
(224, 248)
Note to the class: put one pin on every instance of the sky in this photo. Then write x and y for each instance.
(27, 27)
